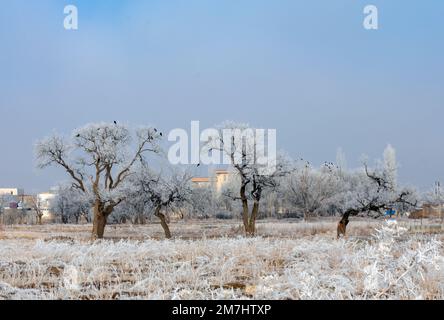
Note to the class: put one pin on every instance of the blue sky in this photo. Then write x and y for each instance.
(307, 68)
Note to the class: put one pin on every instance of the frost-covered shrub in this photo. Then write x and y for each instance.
(397, 265)
(390, 265)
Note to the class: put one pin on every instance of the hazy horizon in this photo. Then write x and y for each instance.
(306, 68)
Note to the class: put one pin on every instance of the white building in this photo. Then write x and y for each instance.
(44, 202)
(217, 180)
(12, 191)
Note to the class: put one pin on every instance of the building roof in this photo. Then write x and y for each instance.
(200, 179)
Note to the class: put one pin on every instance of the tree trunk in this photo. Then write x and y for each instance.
(99, 222)
(342, 228)
(342, 225)
(251, 231)
(245, 210)
(163, 223)
(39, 219)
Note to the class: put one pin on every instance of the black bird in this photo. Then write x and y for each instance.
(115, 122)
(161, 134)
(198, 164)
(155, 130)
(78, 135)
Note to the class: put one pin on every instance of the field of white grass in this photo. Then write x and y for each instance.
(212, 260)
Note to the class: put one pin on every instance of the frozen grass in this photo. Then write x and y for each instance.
(192, 229)
(281, 264)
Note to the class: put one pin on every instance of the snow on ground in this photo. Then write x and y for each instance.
(392, 264)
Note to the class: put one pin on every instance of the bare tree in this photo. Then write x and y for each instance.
(242, 147)
(161, 191)
(37, 207)
(373, 193)
(70, 204)
(3, 203)
(312, 190)
(98, 159)
(202, 202)
(435, 197)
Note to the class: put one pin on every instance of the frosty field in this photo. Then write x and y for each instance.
(212, 260)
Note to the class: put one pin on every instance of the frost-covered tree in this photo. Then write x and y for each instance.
(70, 204)
(137, 206)
(310, 190)
(162, 191)
(390, 167)
(202, 202)
(36, 206)
(435, 196)
(99, 158)
(242, 147)
(3, 204)
(372, 192)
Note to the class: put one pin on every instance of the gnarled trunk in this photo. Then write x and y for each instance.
(342, 224)
(163, 223)
(251, 230)
(248, 219)
(245, 211)
(99, 221)
(342, 227)
(99, 224)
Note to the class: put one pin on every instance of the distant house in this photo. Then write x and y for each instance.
(200, 182)
(11, 191)
(220, 178)
(216, 180)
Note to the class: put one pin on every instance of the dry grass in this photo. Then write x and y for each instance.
(211, 260)
(191, 229)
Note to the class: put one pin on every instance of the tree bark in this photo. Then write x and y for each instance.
(99, 224)
(163, 223)
(99, 221)
(245, 211)
(252, 223)
(342, 225)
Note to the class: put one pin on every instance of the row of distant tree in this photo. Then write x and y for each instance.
(113, 179)
(22, 211)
